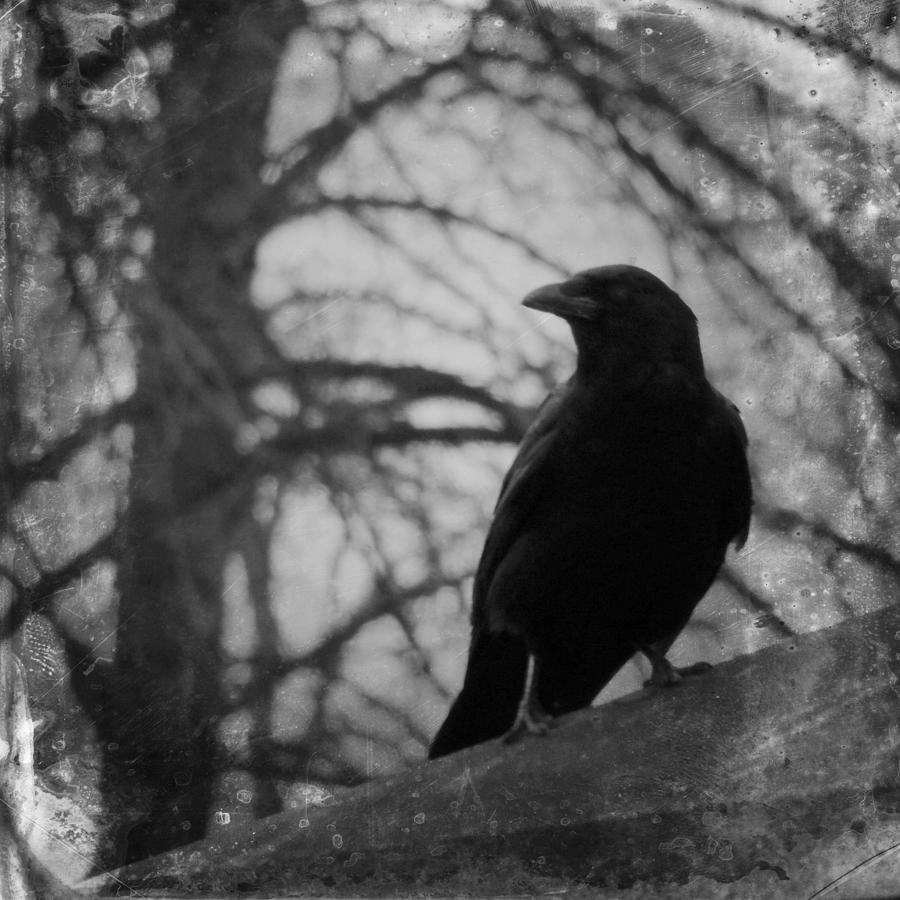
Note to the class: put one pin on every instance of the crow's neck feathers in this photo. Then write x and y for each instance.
(618, 352)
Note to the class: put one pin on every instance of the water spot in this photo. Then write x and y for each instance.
(565, 820)
(419, 818)
(337, 841)
(677, 844)
(222, 818)
(303, 823)
(244, 796)
(656, 818)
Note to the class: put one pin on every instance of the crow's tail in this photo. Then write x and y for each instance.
(486, 706)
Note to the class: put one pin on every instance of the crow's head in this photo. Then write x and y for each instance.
(624, 314)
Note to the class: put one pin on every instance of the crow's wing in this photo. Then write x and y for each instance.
(518, 494)
(486, 706)
(737, 495)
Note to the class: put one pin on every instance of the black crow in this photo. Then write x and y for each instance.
(614, 518)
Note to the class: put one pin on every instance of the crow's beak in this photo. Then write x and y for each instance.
(550, 298)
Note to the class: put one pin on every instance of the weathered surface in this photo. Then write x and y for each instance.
(773, 775)
(16, 775)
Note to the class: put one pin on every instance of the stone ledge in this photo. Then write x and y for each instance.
(774, 775)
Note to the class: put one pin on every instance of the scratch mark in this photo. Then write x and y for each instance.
(70, 847)
(86, 657)
(468, 784)
(751, 73)
(318, 312)
(862, 324)
(104, 330)
(262, 84)
(857, 868)
(639, 145)
(522, 335)
(751, 550)
(314, 315)
(11, 10)
(333, 325)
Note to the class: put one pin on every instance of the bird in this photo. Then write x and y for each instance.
(613, 519)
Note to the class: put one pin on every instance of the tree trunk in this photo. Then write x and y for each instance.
(189, 489)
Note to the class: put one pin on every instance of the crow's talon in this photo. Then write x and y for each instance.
(697, 668)
(667, 675)
(663, 678)
(527, 723)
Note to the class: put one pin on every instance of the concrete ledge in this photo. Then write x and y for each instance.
(774, 775)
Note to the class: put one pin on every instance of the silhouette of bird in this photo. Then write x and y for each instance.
(612, 521)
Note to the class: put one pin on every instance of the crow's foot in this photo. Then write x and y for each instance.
(528, 721)
(667, 675)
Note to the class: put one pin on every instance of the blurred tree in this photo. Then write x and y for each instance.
(264, 364)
